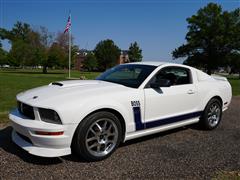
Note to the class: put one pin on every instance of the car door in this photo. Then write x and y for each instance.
(174, 103)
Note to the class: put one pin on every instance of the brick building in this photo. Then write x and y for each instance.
(81, 56)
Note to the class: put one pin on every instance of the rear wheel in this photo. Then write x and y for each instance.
(212, 114)
(97, 137)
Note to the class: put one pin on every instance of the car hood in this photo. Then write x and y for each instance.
(60, 92)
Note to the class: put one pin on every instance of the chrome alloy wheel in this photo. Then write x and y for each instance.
(214, 114)
(101, 137)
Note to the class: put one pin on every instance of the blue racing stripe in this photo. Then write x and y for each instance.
(139, 125)
(173, 119)
(137, 118)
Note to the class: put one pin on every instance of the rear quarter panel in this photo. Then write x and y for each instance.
(211, 88)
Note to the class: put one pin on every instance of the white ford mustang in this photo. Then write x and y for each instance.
(91, 117)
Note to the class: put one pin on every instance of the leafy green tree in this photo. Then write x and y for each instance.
(90, 63)
(25, 44)
(55, 55)
(107, 54)
(212, 36)
(74, 54)
(3, 56)
(38, 49)
(234, 63)
(57, 51)
(134, 52)
(35, 47)
(43, 47)
(62, 40)
(19, 53)
(19, 31)
(46, 37)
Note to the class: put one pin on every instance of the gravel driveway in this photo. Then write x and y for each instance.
(185, 153)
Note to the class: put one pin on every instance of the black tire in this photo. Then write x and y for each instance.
(206, 121)
(88, 128)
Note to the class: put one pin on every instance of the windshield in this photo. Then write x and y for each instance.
(130, 75)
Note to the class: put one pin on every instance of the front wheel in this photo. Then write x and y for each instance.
(212, 114)
(97, 137)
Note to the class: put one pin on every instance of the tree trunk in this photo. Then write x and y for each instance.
(44, 69)
(209, 71)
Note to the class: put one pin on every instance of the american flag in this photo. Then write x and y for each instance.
(68, 24)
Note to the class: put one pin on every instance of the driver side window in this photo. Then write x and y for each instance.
(174, 76)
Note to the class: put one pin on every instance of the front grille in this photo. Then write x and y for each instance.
(25, 138)
(26, 110)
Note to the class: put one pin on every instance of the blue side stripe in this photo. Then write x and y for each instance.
(139, 125)
(137, 118)
(174, 119)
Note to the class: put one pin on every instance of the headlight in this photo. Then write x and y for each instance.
(49, 115)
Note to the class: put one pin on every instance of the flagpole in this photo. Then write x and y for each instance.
(69, 50)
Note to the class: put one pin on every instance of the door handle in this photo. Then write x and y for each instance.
(190, 91)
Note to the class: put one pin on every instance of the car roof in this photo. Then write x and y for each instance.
(154, 63)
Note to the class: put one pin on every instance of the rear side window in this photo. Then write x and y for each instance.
(176, 75)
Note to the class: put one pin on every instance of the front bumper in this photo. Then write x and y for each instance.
(41, 145)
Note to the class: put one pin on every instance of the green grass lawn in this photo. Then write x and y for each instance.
(15, 81)
(235, 82)
(235, 86)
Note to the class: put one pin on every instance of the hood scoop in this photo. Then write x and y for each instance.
(74, 83)
(56, 84)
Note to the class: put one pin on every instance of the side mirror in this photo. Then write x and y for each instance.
(155, 85)
(164, 82)
(160, 83)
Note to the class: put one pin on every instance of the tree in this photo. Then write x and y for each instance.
(18, 37)
(90, 63)
(212, 36)
(19, 31)
(43, 54)
(19, 53)
(74, 54)
(107, 54)
(33, 47)
(134, 52)
(62, 40)
(38, 51)
(3, 56)
(25, 45)
(55, 55)
(234, 62)
(46, 37)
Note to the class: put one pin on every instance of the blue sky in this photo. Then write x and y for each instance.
(158, 26)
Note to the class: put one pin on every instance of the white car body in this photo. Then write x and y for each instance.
(143, 110)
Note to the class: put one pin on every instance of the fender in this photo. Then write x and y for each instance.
(120, 108)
